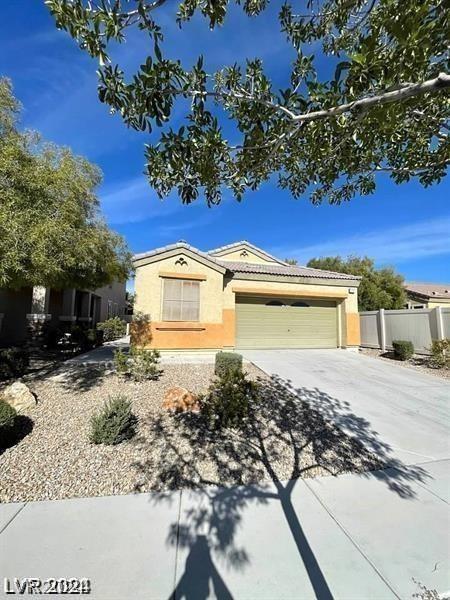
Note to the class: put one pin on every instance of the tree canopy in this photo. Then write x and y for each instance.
(379, 288)
(386, 107)
(51, 232)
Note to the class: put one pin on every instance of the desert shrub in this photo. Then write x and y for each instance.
(440, 353)
(13, 362)
(138, 364)
(121, 362)
(113, 329)
(144, 364)
(403, 349)
(227, 361)
(228, 400)
(7, 416)
(114, 423)
(140, 329)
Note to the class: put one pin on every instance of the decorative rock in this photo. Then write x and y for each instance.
(19, 396)
(178, 399)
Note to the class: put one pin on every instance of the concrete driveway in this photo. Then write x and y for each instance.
(401, 413)
(351, 537)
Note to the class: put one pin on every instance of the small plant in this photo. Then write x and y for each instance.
(228, 400)
(440, 353)
(13, 362)
(139, 364)
(227, 361)
(403, 349)
(113, 329)
(7, 416)
(114, 423)
(121, 362)
(144, 364)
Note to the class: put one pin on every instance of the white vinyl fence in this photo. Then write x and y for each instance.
(419, 326)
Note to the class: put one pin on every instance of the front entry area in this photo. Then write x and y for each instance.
(270, 322)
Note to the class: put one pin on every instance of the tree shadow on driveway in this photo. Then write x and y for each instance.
(290, 434)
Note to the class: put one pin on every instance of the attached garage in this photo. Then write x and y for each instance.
(269, 322)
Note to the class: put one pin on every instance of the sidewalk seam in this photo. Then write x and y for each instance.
(347, 534)
(13, 517)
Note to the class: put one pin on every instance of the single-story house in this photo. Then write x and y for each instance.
(240, 296)
(427, 295)
(28, 305)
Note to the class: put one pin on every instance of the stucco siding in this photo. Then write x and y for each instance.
(216, 327)
(149, 287)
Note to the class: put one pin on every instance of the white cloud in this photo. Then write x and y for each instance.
(386, 246)
(134, 200)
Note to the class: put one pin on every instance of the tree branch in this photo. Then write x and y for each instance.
(442, 81)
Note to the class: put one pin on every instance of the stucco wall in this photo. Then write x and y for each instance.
(251, 257)
(434, 303)
(116, 292)
(216, 325)
(149, 287)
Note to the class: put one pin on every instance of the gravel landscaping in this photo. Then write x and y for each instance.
(284, 439)
(418, 363)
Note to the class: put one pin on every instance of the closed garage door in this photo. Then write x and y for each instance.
(281, 323)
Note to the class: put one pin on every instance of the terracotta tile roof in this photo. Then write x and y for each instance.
(245, 267)
(290, 271)
(428, 290)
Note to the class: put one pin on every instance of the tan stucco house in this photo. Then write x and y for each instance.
(239, 296)
(427, 295)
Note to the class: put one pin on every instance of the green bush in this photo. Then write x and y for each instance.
(113, 329)
(94, 337)
(440, 353)
(121, 362)
(7, 416)
(227, 361)
(13, 362)
(139, 364)
(228, 400)
(114, 423)
(403, 349)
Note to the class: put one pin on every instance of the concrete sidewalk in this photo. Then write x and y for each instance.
(353, 536)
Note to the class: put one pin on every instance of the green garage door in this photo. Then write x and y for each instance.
(285, 323)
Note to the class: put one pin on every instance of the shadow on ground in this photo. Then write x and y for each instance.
(290, 433)
(81, 377)
(23, 425)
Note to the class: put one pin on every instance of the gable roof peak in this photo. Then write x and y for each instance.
(249, 245)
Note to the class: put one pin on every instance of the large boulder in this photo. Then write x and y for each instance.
(19, 396)
(178, 399)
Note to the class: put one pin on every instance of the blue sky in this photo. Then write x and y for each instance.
(406, 226)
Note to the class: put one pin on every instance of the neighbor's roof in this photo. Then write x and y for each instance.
(245, 243)
(246, 267)
(428, 290)
(288, 270)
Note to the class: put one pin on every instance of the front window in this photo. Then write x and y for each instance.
(181, 300)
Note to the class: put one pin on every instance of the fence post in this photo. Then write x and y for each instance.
(439, 323)
(382, 329)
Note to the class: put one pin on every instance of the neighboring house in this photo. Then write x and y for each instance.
(427, 295)
(19, 308)
(239, 296)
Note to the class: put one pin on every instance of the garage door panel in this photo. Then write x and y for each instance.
(259, 325)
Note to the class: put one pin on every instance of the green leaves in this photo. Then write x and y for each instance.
(374, 47)
(51, 232)
(379, 288)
